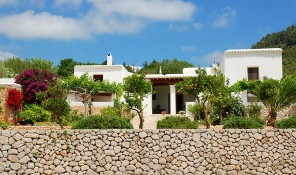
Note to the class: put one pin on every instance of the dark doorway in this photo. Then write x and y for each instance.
(179, 102)
(169, 104)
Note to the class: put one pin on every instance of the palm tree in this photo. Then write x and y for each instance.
(274, 94)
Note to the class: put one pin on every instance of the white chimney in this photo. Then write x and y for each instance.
(109, 59)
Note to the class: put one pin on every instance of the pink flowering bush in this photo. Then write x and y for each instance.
(34, 81)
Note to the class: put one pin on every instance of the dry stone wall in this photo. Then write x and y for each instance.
(152, 152)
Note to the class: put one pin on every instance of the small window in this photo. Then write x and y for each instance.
(98, 77)
(253, 73)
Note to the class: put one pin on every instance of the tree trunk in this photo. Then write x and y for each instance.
(61, 124)
(220, 116)
(85, 110)
(272, 120)
(207, 119)
(141, 115)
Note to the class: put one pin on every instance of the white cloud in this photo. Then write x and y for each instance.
(103, 17)
(4, 55)
(171, 10)
(42, 25)
(68, 3)
(179, 28)
(197, 25)
(226, 18)
(188, 48)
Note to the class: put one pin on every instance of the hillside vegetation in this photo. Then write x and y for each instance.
(286, 40)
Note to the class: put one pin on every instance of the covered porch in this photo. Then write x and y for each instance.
(165, 98)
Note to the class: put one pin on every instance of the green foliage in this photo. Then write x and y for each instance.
(243, 123)
(73, 116)
(287, 123)
(16, 66)
(33, 113)
(286, 40)
(85, 86)
(176, 122)
(168, 66)
(234, 107)
(55, 101)
(136, 88)
(274, 94)
(66, 67)
(207, 89)
(196, 111)
(110, 111)
(3, 125)
(102, 122)
(253, 110)
(4, 73)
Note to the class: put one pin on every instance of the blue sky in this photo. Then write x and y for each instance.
(135, 31)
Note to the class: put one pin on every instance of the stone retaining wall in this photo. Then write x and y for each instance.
(148, 152)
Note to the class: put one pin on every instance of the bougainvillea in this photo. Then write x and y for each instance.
(33, 81)
(14, 102)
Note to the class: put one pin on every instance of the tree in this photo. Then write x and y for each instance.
(204, 88)
(286, 40)
(222, 98)
(85, 87)
(55, 101)
(136, 88)
(3, 70)
(66, 67)
(274, 94)
(16, 66)
(168, 66)
(14, 102)
(33, 81)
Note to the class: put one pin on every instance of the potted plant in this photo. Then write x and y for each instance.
(181, 113)
(163, 112)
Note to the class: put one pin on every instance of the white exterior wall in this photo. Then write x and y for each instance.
(235, 64)
(147, 104)
(115, 73)
(191, 70)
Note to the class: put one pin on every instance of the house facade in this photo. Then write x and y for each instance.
(251, 64)
(236, 65)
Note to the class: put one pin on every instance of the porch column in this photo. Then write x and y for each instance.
(173, 99)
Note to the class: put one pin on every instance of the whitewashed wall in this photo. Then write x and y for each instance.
(235, 63)
(114, 73)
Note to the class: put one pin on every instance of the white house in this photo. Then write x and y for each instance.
(251, 64)
(236, 65)
(112, 73)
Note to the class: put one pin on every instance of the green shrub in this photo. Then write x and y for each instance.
(4, 125)
(253, 110)
(102, 122)
(287, 123)
(72, 117)
(33, 113)
(110, 111)
(176, 123)
(234, 107)
(243, 123)
(196, 111)
(118, 110)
